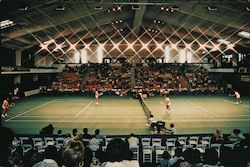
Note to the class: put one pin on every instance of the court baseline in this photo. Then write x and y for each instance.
(30, 110)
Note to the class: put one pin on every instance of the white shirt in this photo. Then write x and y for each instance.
(167, 101)
(237, 95)
(124, 163)
(96, 94)
(133, 141)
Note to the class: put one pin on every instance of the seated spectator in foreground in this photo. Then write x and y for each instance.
(98, 136)
(74, 134)
(85, 136)
(50, 158)
(6, 138)
(218, 137)
(237, 135)
(165, 159)
(191, 158)
(47, 130)
(73, 154)
(177, 158)
(133, 141)
(210, 158)
(59, 132)
(117, 154)
(95, 143)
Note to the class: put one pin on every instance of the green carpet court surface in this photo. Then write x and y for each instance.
(123, 115)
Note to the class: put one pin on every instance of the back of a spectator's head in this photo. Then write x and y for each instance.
(59, 132)
(211, 156)
(166, 155)
(74, 131)
(73, 154)
(85, 130)
(50, 152)
(178, 152)
(192, 156)
(117, 150)
(6, 138)
(97, 131)
(171, 125)
(236, 131)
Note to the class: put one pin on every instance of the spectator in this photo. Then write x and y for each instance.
(176, 160)
(117, 154)
(165, 159)
(50, 158)
(133, 141)
(237, 135)
(98, 136)
(73, 154)
(95, 143)
(47, 130)
(74, 135)
(191, 158)
(6, 138)
(59, 132)
(210, 158)
(218, 137)
(173, 130)
(85, 136)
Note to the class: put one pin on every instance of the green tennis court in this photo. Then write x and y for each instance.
(122, 115)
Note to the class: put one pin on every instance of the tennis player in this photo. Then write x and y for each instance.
(5, 107)
(167, 103)
(97, 97)
(237, 97)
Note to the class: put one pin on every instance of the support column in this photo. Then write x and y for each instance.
(18, 56)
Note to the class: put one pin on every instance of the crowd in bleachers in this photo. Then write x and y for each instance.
(147, 79)
(108, 78)
(200, 80)
(75, 150)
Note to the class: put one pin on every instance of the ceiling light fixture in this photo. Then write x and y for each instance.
(6, 24)
(23, 8)
(212, 8)
(222, 41)
(60, 8)
(98, 8)
(244, 34)
(135, 7)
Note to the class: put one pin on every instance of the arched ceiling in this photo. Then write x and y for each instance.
(100, 21)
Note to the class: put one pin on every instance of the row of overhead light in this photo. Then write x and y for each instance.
(159, 22)
(117, 21)
(153, 30)
(169, 9)
(117, 8)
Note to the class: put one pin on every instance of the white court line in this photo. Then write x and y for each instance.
(30, 110)
(84, 108)
(134, 117)
(235, 103)
(73, 117)
(119, 121)
(203, 109)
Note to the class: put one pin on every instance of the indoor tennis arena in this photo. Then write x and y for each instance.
(150, 83)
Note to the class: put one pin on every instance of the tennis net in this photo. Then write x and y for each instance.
(144, 106)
